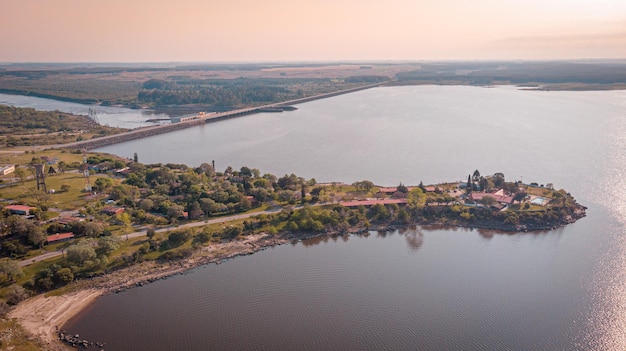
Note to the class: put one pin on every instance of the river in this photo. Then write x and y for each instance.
(106, 115)
(422, 289)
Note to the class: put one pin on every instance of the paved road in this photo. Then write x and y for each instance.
(143, 232)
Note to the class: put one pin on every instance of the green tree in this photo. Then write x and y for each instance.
(416, 198)
(363, 185)
(37, 236)
(488, 200)
(124, 218)
(402, 188)
(21, 174)
(9, 271)
(102, 184)
(150, 233)
(476, 176)
(108, 244)
(63, 276)
(15, 294)
(80, 253)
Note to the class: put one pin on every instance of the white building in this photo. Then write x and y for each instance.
(4, 170)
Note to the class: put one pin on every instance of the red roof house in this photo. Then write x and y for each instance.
(19, 209)
(55, 238)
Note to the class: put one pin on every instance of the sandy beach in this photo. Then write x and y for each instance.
(41, 315)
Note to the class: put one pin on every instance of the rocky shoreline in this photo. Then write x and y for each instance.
(44, 316)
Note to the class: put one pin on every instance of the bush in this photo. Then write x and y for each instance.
(15, 294)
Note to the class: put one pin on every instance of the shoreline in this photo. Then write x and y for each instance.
(45, 316)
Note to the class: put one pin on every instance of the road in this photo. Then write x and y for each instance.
(144, 230)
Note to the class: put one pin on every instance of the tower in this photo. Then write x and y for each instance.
(39, 174)
(86, 171)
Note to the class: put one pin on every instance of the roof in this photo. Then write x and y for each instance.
(60, 236)
(18, 208)
(499, 196)
(113, 210)
(372, 202)
(68, 220)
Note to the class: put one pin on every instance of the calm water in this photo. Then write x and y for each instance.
(107, 115)
(417, 290)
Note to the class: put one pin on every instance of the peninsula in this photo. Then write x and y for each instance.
(137, 223)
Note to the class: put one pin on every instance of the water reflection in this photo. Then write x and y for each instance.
(413, 235)
(607, 319)
(414, 239)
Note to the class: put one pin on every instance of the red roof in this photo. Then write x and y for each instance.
(113, 210)
(498, 197)
(373, 202)
(60, 236)
(18, 208)
(68, 220)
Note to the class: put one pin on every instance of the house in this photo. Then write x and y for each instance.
(122, 172)
(4, 170)
(112, 210)
(499, 196)
(57, 238)
(19, 209)
(68, 220)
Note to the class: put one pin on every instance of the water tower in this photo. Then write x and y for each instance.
(39, 174)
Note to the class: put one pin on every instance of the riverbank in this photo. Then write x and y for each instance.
(41, 315)
(44, 316)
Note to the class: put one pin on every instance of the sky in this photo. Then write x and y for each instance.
(321, 30)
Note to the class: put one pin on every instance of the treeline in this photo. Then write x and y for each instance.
(517, 73)
(16, 124)
(217, 94)
(16, 120)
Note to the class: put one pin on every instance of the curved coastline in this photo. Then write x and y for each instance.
(45, 316)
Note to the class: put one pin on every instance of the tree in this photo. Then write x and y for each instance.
(174, 212)
(402, 188)
(101, 184)
(416, 198)
(80, 253)
(488, 200)
(124, 218)
(364, 185)
(37, 236)
(9, 271)
(150, 233)
(63, 276)
(146, 205)
(403, 216)
(519, 196)
(93, 229)
(21, 174)
(476, 175)
(41, 197)
(108, 244)
(469, 184)
(15, 294)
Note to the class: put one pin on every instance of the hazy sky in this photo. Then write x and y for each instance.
(295, 30)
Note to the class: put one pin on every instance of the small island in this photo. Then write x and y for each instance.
(87, 224)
